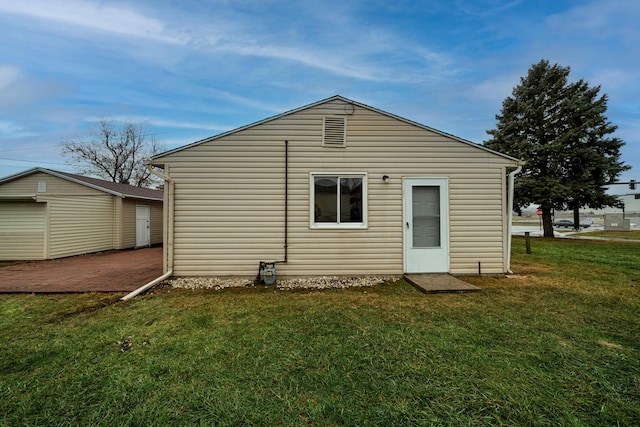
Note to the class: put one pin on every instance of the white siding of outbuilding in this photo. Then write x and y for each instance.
(229, 197)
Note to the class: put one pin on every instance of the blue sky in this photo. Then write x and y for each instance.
(190, 69)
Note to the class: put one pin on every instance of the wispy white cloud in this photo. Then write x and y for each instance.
(250, 102)
(485, 8)
(615, 78)
(600, 20)
(94, 16)
(599, 41)
(365, 57)
(17, 89)
(359, 59)
(156, 122)
(192, 68)
(9, 76)
(10, 129)
(310, 56)
(496, 88)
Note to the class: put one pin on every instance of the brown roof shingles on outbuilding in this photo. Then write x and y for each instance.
(115, 188)
(124, 189)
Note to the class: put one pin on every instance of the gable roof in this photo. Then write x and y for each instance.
(315, 104)
(117, 189)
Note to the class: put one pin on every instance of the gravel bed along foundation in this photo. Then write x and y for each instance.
(323, 282)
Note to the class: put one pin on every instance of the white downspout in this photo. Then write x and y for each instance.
(169, 237)
(512, 174)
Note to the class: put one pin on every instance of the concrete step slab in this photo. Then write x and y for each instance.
(439, 283)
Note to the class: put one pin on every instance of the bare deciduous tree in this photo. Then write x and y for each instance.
(115, 153)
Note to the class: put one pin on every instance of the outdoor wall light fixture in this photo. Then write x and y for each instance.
(385, 178)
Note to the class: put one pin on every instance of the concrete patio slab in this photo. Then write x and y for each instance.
(439, 283)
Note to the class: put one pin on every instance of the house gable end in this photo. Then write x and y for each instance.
(41, 184)
(346, 109)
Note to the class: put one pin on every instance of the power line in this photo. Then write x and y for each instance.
(30, 147)
(31, 161)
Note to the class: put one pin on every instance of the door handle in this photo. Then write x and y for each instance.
(407, 225)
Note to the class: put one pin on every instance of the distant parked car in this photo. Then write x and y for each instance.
(568, 223)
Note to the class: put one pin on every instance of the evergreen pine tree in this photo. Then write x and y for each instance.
(560, 130)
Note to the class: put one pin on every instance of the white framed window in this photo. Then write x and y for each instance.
(338, 200)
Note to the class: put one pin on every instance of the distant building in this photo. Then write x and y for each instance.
(631, 208)
(47, 214)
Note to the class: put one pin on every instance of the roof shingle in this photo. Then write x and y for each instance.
(124, 189)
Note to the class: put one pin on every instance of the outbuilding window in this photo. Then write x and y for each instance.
(338, 200)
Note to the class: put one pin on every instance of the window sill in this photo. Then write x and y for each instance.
(338, 226)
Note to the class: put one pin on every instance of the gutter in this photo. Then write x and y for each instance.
(511, 186)
(149, 285)
(168, 261)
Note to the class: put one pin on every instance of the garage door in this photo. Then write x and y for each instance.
(22, 228)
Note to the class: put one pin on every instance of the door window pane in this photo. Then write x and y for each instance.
(426, 216)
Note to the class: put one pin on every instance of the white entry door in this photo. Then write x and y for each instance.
(426, 225)
(143, 226)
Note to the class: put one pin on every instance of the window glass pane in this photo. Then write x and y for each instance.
(351, 199)
(326, 199)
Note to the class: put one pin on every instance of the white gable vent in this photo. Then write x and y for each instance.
(334, 131)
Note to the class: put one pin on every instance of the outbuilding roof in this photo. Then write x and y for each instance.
(117, 189)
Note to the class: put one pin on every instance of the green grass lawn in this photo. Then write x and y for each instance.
(558, 345)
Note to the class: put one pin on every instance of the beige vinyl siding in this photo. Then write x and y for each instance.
(54, 186)
(83, 224)
(22, 231)
(156, 222)
(129, 221)
(119, 235)
(81, 219)
(229, 202)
